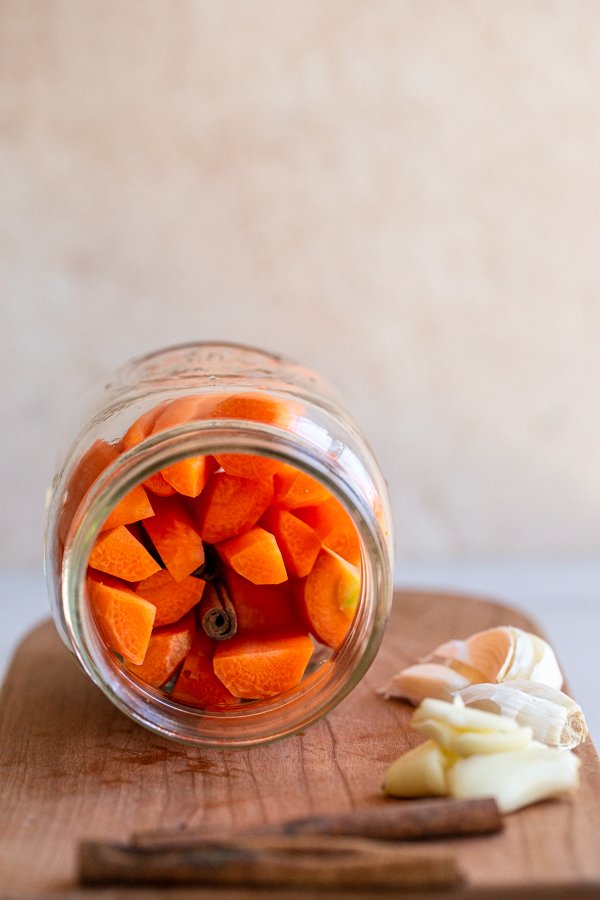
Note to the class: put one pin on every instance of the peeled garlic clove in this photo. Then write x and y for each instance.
(515, 779)
(422, 680)
(457, 715)
(421, 772)
(471, 742)
(555, 718)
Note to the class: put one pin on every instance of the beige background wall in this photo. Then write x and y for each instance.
(404, 195)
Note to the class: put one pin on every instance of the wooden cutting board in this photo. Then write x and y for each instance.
(72, 767)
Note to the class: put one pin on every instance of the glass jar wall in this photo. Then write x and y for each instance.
(218, 487)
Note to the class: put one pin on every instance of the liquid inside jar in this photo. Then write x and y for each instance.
(225, 578)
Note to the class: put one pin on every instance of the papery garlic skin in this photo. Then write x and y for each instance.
(422, 680)
(515, 779)
(555, 718)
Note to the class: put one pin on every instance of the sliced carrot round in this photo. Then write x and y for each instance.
(124, 619)
(229, 505)
(172, 599)
(298, 542)
(117, 552)
(257, 668)
(197, 684)
(167, 648)
(329, 596)
(175, 536)
(254, 555)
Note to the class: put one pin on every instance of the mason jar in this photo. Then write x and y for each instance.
(309, 433)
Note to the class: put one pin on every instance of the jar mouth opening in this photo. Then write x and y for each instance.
(255, 721)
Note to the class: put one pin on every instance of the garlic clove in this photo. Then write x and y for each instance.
(545, 669)
(515, 779)
(554, 717)
(420, 772)
(422, 680)
(457, 715)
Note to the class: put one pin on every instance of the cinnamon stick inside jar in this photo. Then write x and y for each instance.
(217, 613)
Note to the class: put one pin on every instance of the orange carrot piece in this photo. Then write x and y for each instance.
(254, 555)
(89, 467)
(167, 648)
(256, 407)
(117, 552)
(175, 536)
(132, 508)
(294, 489)
(172, 599)
(229, 505)
(190, 476)
(328, 597)
(124, 620)
(261, 607)
(135, 434)
(248, 465)
(256, 668)
(298, 543)
(197, 684)
(335, 528)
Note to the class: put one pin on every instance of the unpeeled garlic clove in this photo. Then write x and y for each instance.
(515, 779)
(422, 680)
(555, 718)
(420, 772)
(501, 654)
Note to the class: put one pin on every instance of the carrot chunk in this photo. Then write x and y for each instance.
(254, 555)
(133, 507)
(167, 648)
(172, 599)
(261, 607)
(117, 552)
(256, 668)
(248, 465)
(294, 489)
(124, 620)
(328, 597)
(135, 434)
(256, 407)
(229, 505)
(335, 528)
(91, 465)
(298, 543)
(189, 476)
(175, 536)
(197, 684)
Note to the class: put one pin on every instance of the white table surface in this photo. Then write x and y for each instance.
(563, 596)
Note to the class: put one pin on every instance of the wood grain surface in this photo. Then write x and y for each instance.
(74, 768)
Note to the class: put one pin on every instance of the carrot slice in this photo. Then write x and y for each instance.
(229, 505)
(261, 607)
(172, 599)
(197, 684)
(117, 552)
(175, 536)
(256, 668)
(189, 476)
(124, 620)
(256, 407)
(335, 528)
(89, 467)
(248, 465)
(298, 543)
(132, 508)
(328, 597)
(254, 555)
(294, 489)
(135, 434)
(167, 648)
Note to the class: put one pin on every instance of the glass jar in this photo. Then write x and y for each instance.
(318, 438)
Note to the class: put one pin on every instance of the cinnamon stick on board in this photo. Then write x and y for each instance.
(392, 820)
(266, 861)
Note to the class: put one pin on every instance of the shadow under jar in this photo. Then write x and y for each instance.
(219, 546)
